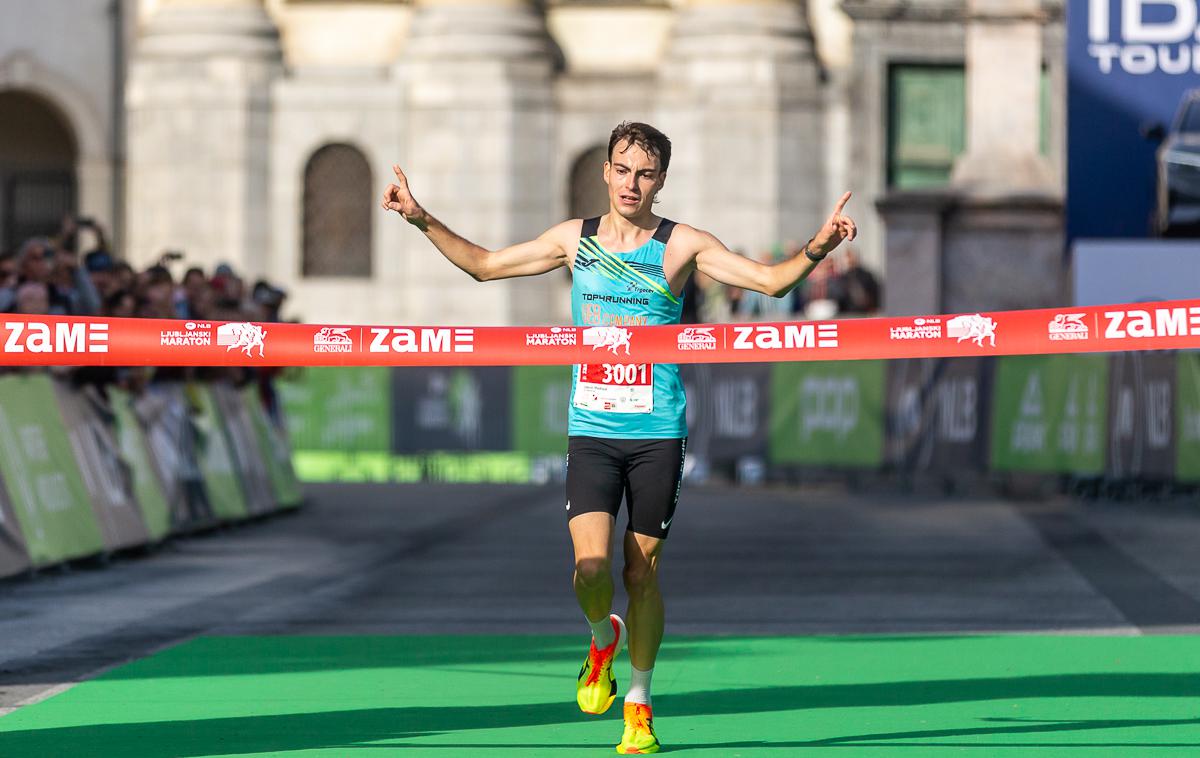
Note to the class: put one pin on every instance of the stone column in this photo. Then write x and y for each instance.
(198, 101)
(1003, 244)
(1003, 71)
(740, 100)
(478, 151)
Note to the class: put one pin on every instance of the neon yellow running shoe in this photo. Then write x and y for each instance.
(639, 737)
(597, 687)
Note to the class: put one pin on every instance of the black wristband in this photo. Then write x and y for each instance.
(809, 254)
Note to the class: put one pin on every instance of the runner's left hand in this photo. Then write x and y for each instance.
(837, 227)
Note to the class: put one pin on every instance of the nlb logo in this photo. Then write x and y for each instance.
(697, 338)
(974, 327)
(333, 339)
(922, 328)
(1161, 322)
(556, 336)
(57, 337)
(242, 336)
(790, 337)
(1067, 327)
(400, 339)
(193, 334)
(1146, 42)
(611, 337)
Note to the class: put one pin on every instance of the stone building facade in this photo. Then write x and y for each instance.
(262, 132)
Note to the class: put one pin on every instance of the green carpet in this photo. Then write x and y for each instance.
(714, 696)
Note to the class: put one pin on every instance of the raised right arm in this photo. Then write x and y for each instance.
(549, 251)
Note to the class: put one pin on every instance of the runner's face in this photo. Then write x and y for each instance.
(633, 179)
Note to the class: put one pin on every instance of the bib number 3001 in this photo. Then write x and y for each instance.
(615, 388)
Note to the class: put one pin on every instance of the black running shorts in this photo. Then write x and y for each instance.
(646, 472)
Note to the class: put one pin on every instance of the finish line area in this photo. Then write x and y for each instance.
(801, 621)
(729, 696)
(841, 597)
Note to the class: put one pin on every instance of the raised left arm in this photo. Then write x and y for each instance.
(727, 267)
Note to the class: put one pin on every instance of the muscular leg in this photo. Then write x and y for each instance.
(645, 615)
(591, 534)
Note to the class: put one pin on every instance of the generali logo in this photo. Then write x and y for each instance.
(400, 339)
(1067, 326)
(56, 337)
(242, 336)
(333, 339)
(697, 338)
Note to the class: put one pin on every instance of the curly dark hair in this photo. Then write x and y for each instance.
(644, 136)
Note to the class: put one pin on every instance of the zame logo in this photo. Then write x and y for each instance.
(422, 340)
(58, 337)
(975, 327)
(242, 336)
(1161, 322)
(611, 337)
(791, 337)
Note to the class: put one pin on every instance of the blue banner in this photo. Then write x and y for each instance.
(1133, 118)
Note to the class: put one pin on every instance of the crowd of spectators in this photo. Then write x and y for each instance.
(75, 273)
(839, 287)
(52, 275)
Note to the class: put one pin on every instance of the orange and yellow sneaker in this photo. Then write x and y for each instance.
(639, 737)
(597, 687)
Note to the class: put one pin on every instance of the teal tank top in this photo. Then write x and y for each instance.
(611, 291)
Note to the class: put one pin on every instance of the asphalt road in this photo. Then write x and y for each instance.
(367, 559)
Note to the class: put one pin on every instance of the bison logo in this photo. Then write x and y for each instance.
(240, 336)
(975, 327)
(611, 337)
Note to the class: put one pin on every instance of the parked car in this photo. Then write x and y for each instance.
(1178, 208)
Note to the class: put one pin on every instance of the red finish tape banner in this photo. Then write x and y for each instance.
(76, 341)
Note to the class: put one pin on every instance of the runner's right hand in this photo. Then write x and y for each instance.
(398, 197)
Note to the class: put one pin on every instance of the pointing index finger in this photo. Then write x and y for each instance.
(841, 203)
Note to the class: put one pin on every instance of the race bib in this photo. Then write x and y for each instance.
(615, 388)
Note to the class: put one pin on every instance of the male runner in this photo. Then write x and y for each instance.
(627, 433)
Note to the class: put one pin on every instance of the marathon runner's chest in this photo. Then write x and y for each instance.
(611, 291)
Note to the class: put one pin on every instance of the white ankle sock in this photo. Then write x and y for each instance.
(603, 631)
(639, 686)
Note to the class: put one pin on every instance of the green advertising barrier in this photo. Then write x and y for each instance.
(541, 396)
(1050, 414)
(221, 478)
(1187, 417)
(275, 452)
(448, 468)
(151, 500)
(827, 413)
(339, 408)
(42, 474)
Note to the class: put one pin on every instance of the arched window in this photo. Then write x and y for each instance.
(37, 168)
(337, 213)
(589, 194)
